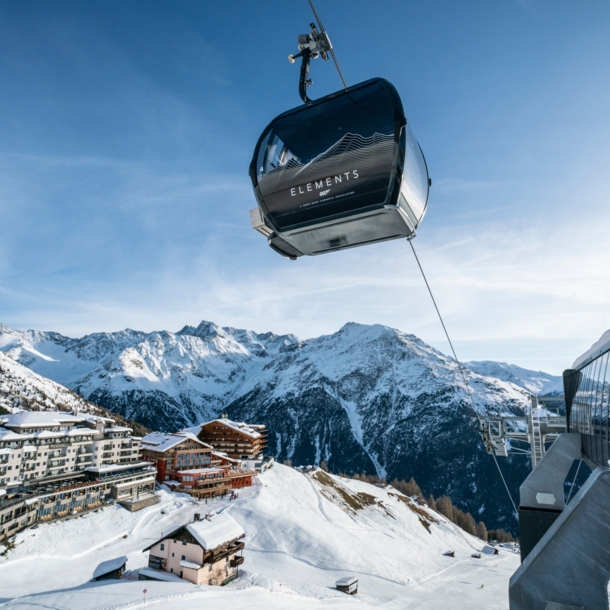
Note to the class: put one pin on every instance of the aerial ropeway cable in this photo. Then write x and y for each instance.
(342, 171)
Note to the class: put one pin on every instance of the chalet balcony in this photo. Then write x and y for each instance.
(220, 485)
(230, 550)
(236, 561)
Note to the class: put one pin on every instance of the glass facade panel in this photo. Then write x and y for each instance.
(589, 414)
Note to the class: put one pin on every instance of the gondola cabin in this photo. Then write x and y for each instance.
(340, 172)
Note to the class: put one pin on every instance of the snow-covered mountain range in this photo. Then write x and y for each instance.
(366, 398)
(536, 382)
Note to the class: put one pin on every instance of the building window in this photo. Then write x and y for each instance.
(210, 568)
(171, 569)
(183, 558)
(180, 573)
(172, 554)
(162, 547)
(184, 543)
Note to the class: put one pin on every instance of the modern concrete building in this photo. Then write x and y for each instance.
(131, 485)
(55, 464)
(35, 445)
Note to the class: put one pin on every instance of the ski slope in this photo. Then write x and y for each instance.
(303, 532)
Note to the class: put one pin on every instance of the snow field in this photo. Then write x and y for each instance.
(303, 532)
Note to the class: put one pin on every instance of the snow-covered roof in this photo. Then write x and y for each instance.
(117, 429)
(81, 431)
(9, 435)
(247, 429)
(200, 471)
(40, 419)
(346, 581)
(114, 467)
(599, 347)
(189, 564)
(161, 442)
(220, 529)
(109, 566)
(135, 483)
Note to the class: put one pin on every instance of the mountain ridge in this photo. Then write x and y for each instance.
(367, 398)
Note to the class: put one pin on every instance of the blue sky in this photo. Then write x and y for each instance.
(126, 130)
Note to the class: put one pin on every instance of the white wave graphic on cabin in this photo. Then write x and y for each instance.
(352, 151)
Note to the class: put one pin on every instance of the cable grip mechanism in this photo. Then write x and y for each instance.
(311, 46)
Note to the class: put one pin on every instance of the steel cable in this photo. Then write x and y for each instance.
(440, 317)
(332, 52)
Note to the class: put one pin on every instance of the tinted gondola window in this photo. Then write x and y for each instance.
(415, 177)
(328, 159)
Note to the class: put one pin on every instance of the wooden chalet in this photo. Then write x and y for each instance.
(237, 440)
(185, 463)
(203, 552)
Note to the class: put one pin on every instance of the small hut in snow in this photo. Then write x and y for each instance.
(107, 570)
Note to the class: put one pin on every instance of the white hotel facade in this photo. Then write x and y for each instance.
(35, 445)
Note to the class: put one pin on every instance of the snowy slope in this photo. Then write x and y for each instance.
(22, 389)
(536, 382)
(302, 533)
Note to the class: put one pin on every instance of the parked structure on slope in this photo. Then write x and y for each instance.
(565, 545)
(35, 445)
(203, 552)
(111, 569)
(237, 439)
(185, 463)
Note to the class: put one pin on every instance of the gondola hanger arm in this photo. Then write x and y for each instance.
(311, 46)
